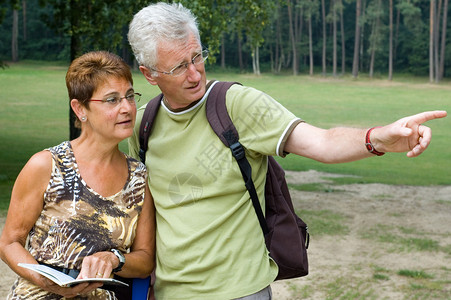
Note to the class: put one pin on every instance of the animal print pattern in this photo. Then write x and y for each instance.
(76, 221)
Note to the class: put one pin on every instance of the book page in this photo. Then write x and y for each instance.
(65, 280)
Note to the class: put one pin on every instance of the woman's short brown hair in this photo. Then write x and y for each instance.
(90, 70)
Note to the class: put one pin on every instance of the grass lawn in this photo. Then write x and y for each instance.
(34, 115)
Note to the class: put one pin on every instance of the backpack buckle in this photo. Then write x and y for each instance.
(237, 150)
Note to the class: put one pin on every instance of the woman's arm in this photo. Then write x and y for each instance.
(140, 262)
(27, 200)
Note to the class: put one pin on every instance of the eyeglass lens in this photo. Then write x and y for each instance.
(199, 58)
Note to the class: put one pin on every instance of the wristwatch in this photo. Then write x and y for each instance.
(121, 258)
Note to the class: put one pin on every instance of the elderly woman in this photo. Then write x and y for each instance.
(84, 205)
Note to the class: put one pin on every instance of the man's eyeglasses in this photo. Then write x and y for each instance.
(180, 69)
(115, 100)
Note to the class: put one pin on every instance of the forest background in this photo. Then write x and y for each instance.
(331, 37)
(370, 240)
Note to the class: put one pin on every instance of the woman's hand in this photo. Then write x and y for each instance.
(98, 265)
(68, 292)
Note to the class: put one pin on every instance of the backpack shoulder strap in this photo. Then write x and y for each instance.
(146, 125)
(217, 114)
(222, 125)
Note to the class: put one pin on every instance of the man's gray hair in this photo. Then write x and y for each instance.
(156, 23)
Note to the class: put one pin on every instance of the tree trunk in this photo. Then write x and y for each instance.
(298, 33)
(375, 38)
(15, 37)
(343, 46)
(431, 40)
(436, 39)
(271, 56)
(443, 41)
(223, 52)
(75, 46)
(24, 21)
(362, 35)
(372, 46)
(355, 61)
(240, 53)
(310, 45)
(323, 13)
(395, 47)
(390, 42)
(278, 54)
(255, 60)
(293, 41)
(334, 26)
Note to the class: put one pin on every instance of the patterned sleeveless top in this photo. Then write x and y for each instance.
(76, 221)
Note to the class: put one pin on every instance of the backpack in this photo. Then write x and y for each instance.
(286, 235)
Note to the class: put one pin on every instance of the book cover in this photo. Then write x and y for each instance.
(65, 280)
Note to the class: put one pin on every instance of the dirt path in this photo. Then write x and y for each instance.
(384, 230)
(396, 218)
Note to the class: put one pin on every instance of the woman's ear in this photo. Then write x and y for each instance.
(148, 74)
(78, 108)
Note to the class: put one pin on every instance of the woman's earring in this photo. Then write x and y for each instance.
(83, 119)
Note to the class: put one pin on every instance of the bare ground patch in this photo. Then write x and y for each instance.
(390, 229)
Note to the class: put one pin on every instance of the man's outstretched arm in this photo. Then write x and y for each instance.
(337, 145)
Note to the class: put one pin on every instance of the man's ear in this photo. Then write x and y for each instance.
(148, 74)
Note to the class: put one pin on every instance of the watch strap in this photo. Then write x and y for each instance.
(121, 258)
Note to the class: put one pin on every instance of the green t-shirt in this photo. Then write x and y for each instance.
(209, 242)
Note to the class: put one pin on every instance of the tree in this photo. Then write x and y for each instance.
(436, 39)
(323, 14)
(431, 41)
(255, 17)
(15, 31)
(355, 61)
(390, 43)
(248, 16)
(343, 46)
(3, 9)
(245, 30)
(375, 11)
(311, 8)
(443, 40)
(334, 38)
(363, 41)
(75, 18)
(15, 36)
(292, 38)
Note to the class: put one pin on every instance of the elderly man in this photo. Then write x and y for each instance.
(209, 242)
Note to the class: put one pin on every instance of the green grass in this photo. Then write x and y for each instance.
(365, 103)
(415, 274)
(324, 222)
(34, 115)
(346, 288)
(404, 239)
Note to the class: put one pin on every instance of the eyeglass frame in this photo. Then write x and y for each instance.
(186, 64)
(134, 94)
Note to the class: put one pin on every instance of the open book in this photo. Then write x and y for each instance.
(65, 280)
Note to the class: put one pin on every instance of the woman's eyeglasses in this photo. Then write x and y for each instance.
(115, 100)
